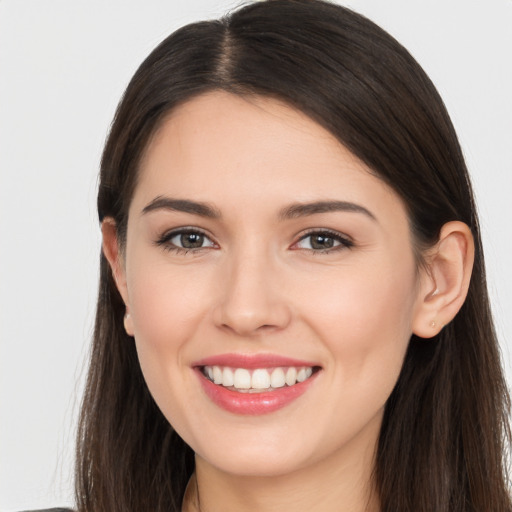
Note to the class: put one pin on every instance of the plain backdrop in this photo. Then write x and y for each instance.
(63, 67)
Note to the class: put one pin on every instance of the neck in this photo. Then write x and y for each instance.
(343, 481)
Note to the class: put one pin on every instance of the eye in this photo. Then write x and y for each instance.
(190, 240)
(185, 240)
(323, 241)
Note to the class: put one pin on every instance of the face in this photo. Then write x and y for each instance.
(271, 284)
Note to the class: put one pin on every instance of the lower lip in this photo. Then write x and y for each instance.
(253, 403)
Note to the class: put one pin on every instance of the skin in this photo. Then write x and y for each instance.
(257, 286)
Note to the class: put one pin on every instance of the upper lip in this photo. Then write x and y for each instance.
(252, 361)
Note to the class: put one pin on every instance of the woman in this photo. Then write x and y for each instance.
(292, 308)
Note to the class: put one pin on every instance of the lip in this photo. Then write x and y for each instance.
(252, 361)
(253, 403)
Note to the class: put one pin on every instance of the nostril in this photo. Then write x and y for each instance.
(257, 317)
(248, 329)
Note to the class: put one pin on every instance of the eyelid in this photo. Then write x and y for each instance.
(345, 242)
(164, 240)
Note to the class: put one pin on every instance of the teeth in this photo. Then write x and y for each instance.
(303, 374)
(217, 375)
(242, 379)
(259, 379)
(277, 379)
(291, 376)
(228, 379)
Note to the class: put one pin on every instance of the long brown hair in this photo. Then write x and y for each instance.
(445, 429)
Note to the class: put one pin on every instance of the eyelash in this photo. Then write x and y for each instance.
(165, 241)
(344, 241)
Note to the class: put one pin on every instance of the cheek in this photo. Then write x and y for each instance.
(365, 321)
(166, 302)
(167, 309)
(365, 326)
(167, 312)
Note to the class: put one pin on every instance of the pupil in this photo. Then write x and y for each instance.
(191, 240)
(322, 242)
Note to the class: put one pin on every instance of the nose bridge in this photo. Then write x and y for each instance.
(250, 300)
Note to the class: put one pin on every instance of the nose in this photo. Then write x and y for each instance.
(252, 298)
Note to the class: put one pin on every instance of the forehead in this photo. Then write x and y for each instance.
(234, 151)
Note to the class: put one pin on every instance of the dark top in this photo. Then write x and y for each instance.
(50, 510)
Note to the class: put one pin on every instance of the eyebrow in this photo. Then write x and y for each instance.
(303, 209)
(292, 211)
(182, 205)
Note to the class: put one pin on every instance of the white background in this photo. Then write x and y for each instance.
(63, 66)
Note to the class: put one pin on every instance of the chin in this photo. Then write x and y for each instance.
(257, 465)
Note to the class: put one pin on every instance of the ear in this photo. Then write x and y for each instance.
(445, 280)
(112, 252)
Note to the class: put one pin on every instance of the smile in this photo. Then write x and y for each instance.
(256, 380)
(255, 384)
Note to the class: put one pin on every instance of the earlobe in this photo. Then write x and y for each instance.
(112, 252)
(127, 322)
(445, 282)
